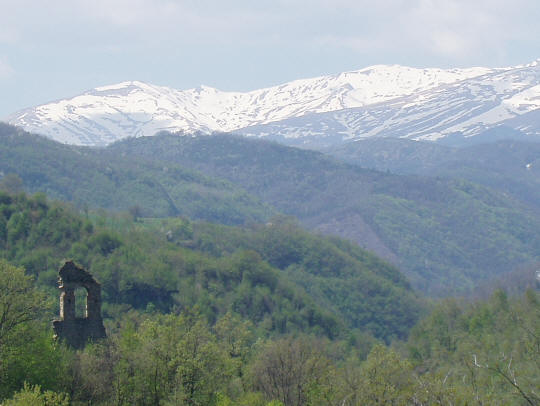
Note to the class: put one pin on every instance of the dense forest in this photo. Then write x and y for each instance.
(510, 166)
(278, 276)
(92, 178)
(449, 236)
(235, 304)
(203, 314)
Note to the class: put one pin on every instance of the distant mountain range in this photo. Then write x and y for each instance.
(383, 101)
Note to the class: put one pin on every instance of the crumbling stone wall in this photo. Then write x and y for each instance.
(76, 331)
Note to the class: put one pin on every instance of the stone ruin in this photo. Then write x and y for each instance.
(78, 331)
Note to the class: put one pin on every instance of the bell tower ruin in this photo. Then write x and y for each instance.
(78, 331)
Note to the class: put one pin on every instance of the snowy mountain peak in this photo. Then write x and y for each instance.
(365, 102)
(119, 86)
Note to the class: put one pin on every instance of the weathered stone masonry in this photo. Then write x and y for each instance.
(75, 331)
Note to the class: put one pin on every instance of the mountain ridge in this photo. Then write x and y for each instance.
(366, 102)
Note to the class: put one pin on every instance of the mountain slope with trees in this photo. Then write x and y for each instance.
(288, 318)
(93, 178)
(511, 166)
(481, 353)
(278, 276)
(447, 235)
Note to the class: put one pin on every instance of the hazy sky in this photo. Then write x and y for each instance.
(51, 49)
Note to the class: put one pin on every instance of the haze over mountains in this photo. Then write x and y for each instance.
(383, 101)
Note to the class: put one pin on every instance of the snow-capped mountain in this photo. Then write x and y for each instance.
(509, 97)
(376, 101)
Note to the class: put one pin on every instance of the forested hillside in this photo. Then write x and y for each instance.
(199, 313)
(93, 178)
(484, 353)
(510, 166)
(491, 347)
(278, 276)
(447, 235)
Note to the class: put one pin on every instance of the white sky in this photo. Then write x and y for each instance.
(58, 48)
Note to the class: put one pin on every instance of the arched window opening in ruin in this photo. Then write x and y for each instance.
(80, 307)
(80, 302)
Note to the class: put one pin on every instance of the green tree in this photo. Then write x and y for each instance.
(20, 301)
(33, 396)
(387, 379)
(294, 371)
(11, 183)
(204, 367)
(236, 336)
(27, 350)
(486, 352)
(171, 359)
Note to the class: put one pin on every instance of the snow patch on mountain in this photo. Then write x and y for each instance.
(379, 100)
(498, 97)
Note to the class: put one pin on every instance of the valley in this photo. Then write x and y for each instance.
(405, 219)
(369, 237)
